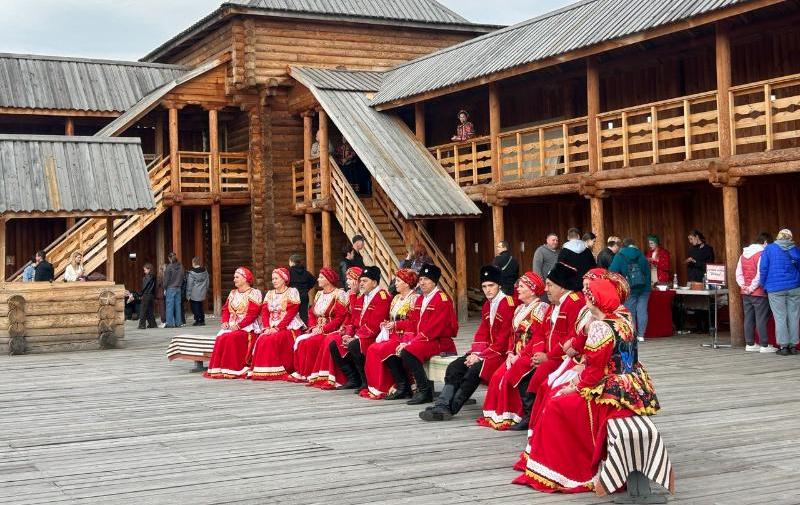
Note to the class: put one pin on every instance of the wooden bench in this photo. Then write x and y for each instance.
(195, 348)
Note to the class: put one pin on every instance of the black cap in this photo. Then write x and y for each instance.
(373, 273)
(490, 273)
(565, 276)
(431, 272)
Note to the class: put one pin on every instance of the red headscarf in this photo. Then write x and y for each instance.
(533, 281)
(623, 288)
(603, 294)
(408, 276)
(247, 274)
(283, 273)
(596, 273)
(330, 274)
(353, 273)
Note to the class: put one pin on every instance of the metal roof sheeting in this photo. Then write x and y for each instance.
(576, 26)
(343, 80)
(426, 11)
(45, 82)
(410, 176)
(43, 174)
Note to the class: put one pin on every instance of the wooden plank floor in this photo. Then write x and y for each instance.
(126, 426)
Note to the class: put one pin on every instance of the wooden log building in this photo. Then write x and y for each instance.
(621, 117)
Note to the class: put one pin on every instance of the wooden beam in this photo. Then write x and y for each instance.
(3, 249)
(723, 68)
(69, 127)
(174, 165)
(593, 109)
(730, 209)
(460, 239)
(109, 249)
(494, 132)
(213, 147)
(216, 260)
(325, 180)
(598, 225)
(158, 133)
(176, 232)
(419, 121)
(498, 225)
(198, 234)
(22, 111)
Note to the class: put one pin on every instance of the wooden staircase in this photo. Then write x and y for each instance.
(385, 225)
(89, 235)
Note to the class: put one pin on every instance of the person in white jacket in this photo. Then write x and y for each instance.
(74, 271)
(754, 298)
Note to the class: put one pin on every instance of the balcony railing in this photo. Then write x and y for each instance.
(549, 149)
(302, 189)
(468, 162)
(766, 115)
(195, 173)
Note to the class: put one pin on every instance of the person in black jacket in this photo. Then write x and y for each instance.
(358, 246)
(147, 318)
(577, 256)
(348, 253)
(509, 267)
(606, 256)
(700, 254)
(302, 280)
(44, 270)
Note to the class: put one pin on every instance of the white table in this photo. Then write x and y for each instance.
(715, 294)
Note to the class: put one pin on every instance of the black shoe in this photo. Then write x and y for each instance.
(350, 384)
(400, 393)
(436, 414)
(141, 327)
(522, 425)
(423, 395)
(195, 323)
(353, 380)
(169, 326)
(792, 350)
(201, 323)
(783, 351)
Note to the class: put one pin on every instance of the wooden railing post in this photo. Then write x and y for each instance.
(213, 147)
(768, 116)
(494, 130)
(109, 249)
(3, 248)
(541, 152)
(456, 165)
(565, 141)
(325, 180)
(687, 129)
(654, 132)
(626, 155)
(593, 109)
(216, 259)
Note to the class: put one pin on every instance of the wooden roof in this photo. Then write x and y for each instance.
(43, 176)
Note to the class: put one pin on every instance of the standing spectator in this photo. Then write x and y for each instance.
(606, 256)
(415, 258)
(44, 270)
(546, 256)
(575, 253)
(147, 318)
(631, 263)
(358, 246)
(30, 271)
(509, 268)
(161, 299)
(754, 298)
(74, 271)
(302, 280)
(173, 281)
(589, 238)
(196, 291)
(779, 270)
(348, 253)
(700, 254)
(658, 257)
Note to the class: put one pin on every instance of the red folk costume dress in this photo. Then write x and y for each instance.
(569, 440)
(502, 407)
(230, 358)
(273, 353)
(379, 379)
(325, 373)
(327, 313)
(430, 326)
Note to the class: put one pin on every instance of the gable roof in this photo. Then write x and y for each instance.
(50, 82)
(580, 25)
(45, 174)
(426, 14)
(405, 170)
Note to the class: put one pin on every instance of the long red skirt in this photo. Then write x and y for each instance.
(273, 356)
(325, 374)
(567, 444)
(380, 381)
(306, 353)
(502, 407)
(230, 358)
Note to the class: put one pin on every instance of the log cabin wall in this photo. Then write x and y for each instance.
(212, 44)
(235, 244)
(769, 204)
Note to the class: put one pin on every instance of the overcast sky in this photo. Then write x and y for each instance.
(129, 29)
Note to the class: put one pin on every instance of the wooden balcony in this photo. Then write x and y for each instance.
(196, 173)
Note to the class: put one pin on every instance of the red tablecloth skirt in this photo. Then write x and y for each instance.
(659, 314)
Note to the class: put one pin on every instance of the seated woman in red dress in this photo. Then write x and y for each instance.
(232, 349)
(568, 440)
(325, 374)
(273, 353)
(325, 315)
(386, 377)
(508, 403)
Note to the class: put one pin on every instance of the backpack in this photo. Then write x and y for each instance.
(635, 276)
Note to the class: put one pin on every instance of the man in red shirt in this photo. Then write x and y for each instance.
(365, 329)
(488, 350)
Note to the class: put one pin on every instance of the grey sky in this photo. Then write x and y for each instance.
(129, 29)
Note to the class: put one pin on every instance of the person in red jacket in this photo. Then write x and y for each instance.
(365, 329)
(754, 298)
(487, 353)
(230, 358)
(658, 257)
(432, 324)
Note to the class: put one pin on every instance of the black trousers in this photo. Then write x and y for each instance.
(358, 358)
(416, 368)
(147, 317)
(463, 377)
(197, 311)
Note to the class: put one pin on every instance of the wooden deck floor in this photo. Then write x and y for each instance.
(126, 426)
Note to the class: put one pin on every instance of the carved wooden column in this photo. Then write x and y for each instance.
(174, 167)
(462, 303)
(325, 180)
(308, 227)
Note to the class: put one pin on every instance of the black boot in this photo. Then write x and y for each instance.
(401, 387)
(462, 395)
(424, 394)
(793, 350)
(527, 405)
(363, 377)
(353, 380)
(783, 351)
(442, 410)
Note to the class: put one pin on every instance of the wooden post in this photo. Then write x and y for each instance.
(177, 243)
(174, 167)
(593, 109)
(730, 209)
(161, 243)
(461, 270)
(216, 259)
(598, 226)
(69, 127)
(308, 228)
(110, 249)
(3, 248)
(498, 225)
(213, 147)
(158, 134)
(494, 131)
(198, 234)
(325, 181)
(723, 65)
(419, 121)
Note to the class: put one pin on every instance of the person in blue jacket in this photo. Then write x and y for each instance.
(779, 270)
(632, 264)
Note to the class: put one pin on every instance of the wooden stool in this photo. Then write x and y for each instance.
(436, 367)
(196, 348)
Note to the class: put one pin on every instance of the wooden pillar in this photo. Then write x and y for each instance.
(498, 225)
(308, 227)
(730, 209)
(3, 248)
(110, 249)
(419, 121)
(158, 134)
(216, 259)
(213, 147)
(177, 244)
(325, 180)
(593, 109)
(462, 303)
(198, 235)
(494, 130)
(161, 243)
(69, 127)
(174, 167)
(723, 65)
(598, 225)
